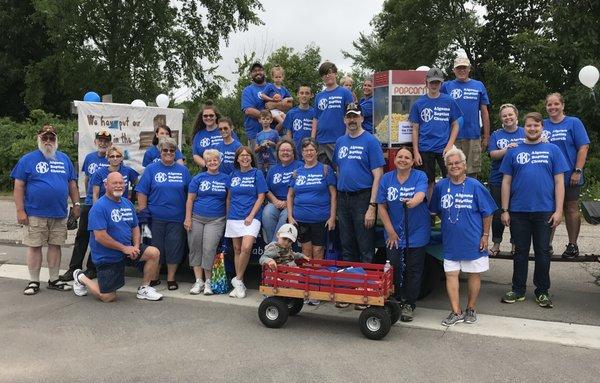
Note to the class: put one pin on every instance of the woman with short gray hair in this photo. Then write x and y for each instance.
(205, 219)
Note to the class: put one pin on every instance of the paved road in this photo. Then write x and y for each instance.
(56, 337)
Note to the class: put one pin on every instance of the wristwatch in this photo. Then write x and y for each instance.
(578, 171)
(504, 210)
(372, 204)
(77, 204)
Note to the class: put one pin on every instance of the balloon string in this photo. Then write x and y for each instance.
(593, 95)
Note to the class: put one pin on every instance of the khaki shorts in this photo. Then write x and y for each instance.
(472, 149)
(45, 231)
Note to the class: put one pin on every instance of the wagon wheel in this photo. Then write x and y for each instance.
(393, 308)
(374, 322)
(294, 305)
(273, 312)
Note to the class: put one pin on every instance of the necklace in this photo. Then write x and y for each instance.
(455, 220)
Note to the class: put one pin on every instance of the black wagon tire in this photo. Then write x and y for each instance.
(374, 322)
(393, 308)
(294, 306)
(273, 312)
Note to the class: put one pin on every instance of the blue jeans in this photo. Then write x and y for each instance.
(358, 242)
(523, 228)
(272, 219)
(408, 273)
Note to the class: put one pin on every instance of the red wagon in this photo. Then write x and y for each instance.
(287, 287)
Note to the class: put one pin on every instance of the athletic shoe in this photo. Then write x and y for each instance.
(207, 288)
(453, 318)
(406, 315)
(67, 276)
(239, 290)
(471, 316)
(544, 301)
(571, 252)
(197, 288)
(149, 293)
(78, 288)
(512, 297)
(313, 302)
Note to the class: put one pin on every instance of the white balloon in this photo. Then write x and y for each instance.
(423, 68)
(162, 100)
(588, 75)
(138, 102)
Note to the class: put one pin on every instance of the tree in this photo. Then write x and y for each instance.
(132, 49)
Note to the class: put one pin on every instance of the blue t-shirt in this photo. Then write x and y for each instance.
(153, 155)
(267, 155)
(533, 168)
(211, 193)
(91, 164)
(312, 200)
(118, 219)
(251, 99)
(46, 183)
(130, 177)
(569, 135)
(166, 188)
(205, 139)
(227, 156)
(356, 158)
(469, 95)
(435, 117)
(299, 123)
(393, 194)
(462, 209)
(272, 89)
(366, 106)
(278, 179)
(244, 188)
(330, 111)
(500, 140)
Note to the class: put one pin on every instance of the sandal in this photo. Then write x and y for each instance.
(32, 288)
(59, 285)
(172, 285)
(342, 305)
(494, 253)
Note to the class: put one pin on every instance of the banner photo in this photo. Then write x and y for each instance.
(132, 129)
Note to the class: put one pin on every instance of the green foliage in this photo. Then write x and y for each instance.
(20, 138)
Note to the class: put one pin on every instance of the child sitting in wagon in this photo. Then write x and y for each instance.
(280, 252)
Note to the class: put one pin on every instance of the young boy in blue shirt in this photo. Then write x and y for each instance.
(266, 140)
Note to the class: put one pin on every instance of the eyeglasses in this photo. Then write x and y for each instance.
(209, 115)
(115, 156)
(285, 150)
(102, 133)
(455, 163)
(245, 155)
(168, 150)
(308, 150)
(223, 129)
(49, 137)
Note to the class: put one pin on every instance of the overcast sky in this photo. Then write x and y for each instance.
(330, 24)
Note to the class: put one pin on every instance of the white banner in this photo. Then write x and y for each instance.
(131, 127)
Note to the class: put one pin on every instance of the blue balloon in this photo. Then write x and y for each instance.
(461, 122)
(92, 97)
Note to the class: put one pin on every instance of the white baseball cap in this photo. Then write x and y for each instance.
(288, 231)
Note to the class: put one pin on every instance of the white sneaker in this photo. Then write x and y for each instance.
(149, 293)
(197, 287)
(234, 284)
(78, 288)
(239, 289)
(207, 288)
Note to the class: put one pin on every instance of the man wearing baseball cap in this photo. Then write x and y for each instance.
(472, 98)
(434, 117)
(280, 252)
(93, 161)
(44, 178)
(360, 161)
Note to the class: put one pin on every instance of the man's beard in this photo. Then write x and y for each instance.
(259, 79)
(49, 153)
(117, 194)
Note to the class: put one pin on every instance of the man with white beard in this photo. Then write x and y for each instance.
(44, 178)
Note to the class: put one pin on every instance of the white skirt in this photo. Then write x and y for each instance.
(235, 228)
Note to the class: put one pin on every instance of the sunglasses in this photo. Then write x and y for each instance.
(49, 137)
(223, 129)
(168, 150)
(209, 116)
(115, 156)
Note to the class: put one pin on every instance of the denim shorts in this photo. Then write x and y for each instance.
(111, 276)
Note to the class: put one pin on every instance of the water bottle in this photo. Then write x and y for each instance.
(387, 266)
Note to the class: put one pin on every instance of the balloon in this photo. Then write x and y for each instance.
(588, 75)
(92, 97)
(423, 68)
(461, 122)
(162, 100)
(138, 102)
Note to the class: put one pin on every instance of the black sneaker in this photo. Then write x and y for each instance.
(571, 252)
(91, 274)
(66, 277)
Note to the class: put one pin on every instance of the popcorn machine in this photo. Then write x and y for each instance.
(395, 91)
